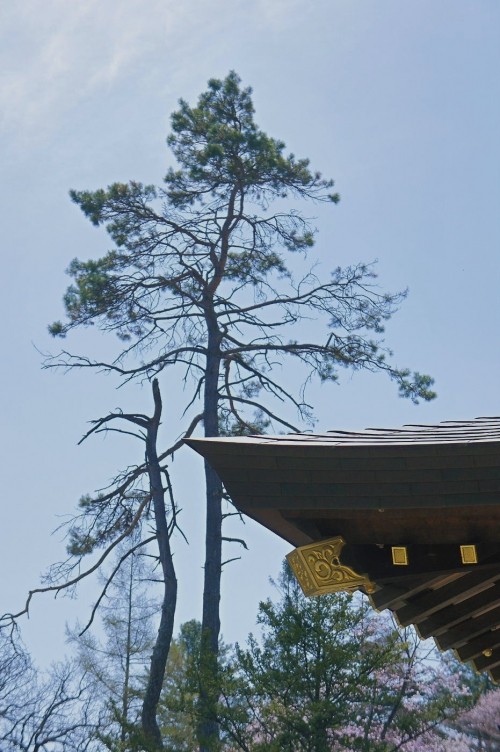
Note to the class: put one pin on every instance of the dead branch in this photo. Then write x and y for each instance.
(109, 580)
(9, 618)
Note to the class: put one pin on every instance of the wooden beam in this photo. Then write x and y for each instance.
(468, 629)
(487, 662)
(377, 561)
(495, 674)
(471, 583)
(475, 647)
(395, 596)
(446, 618)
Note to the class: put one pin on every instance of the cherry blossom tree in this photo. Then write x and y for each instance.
(330, 675)
(480, 727)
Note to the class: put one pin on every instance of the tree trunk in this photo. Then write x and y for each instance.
(126, 680)
(208, 728)
(164, 637)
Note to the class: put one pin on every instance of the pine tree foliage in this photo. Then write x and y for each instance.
(178, 706)
(330, 675)
(203, 256)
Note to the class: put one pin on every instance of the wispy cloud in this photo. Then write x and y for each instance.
(54, 53)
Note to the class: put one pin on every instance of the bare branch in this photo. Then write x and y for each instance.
(8, 618)
(235, 540)
(265, 410)
(110, 579)
(228, 561)
(180, 442)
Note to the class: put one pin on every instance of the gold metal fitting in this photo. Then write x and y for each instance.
(399, 556)
(319, 570)
(468, 554)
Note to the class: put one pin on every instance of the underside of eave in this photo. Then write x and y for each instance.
(420, 487)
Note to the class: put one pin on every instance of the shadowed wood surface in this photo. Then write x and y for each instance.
(429, 488)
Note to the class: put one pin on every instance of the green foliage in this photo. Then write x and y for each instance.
(204, 253)
(329, 674)
(134, 739)
(185, 673)
(178, 707)
(218, 145)
(101, 520)
(415, 385)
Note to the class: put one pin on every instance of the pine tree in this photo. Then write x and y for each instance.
(200, 280)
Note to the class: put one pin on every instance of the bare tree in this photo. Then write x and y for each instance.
(138, 507)
(117, 663)
(42, 712)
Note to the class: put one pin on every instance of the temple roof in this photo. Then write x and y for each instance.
(450, 431)
(427, 489)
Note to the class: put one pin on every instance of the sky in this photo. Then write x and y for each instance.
(398, 102)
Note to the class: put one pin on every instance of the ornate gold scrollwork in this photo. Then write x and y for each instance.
(319, 570)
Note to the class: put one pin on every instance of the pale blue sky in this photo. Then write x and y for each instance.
(399, 102)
